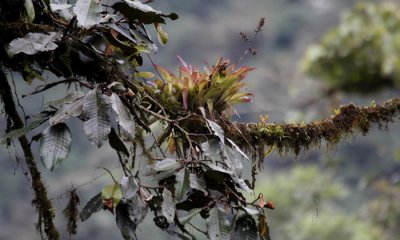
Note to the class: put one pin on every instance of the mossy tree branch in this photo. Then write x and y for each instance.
(41, 201)
(295, 137)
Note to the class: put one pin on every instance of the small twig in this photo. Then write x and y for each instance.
(42, 88)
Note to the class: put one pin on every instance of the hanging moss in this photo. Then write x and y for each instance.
(297, 137)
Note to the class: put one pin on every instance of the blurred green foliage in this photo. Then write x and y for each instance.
(309, 207)
(361, 54)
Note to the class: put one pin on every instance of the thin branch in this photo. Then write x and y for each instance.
(45, 87)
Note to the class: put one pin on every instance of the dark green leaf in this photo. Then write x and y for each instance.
(94, 205)
(245, 228)
(116, 143)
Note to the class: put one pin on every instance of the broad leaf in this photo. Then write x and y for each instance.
(245, 228)
(33, 43)
(166, 164)
(182, 179)
(63, 8)
(70, 108)
(116, 143)
(236, 148)
(124, 117)
(198, 183)
(218, 226)
(94, 205)
(168, 206)
(136, 10)
(233, 160)
(192, 213)
(55, 145)
(96, 108)
(212, 149)
(217, 130)
(88, 12)
(124, 222)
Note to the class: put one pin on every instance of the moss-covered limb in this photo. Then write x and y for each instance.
(41, 201)
(295, 137)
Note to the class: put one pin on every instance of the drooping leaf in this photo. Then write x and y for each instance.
(218, 226)
(33, 43)
(111, 195)
(124, 222)
(136, 10)
(22, 131)
(245, 228)
(116, 143)
(233, 161)
(63, 8)
(55, 145)
(212, 149)
(168, 206)
(88, 12)
(166, 164)
(183, 182)
(217, 130)
(70, 108)
(198, 183)
(94, 205)
(71, 212)
(96, 108)
(187, 217)
(124, 117)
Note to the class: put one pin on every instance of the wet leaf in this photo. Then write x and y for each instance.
(218, 225)
(88, 12)
(33, 43)
(182, 178)
(168, 206)
(124, 222)
(237, 149)
(70, 108)
(55, 145)
(96, 108)
(166, 164)
(124, 117)
(63, 8)
(30, 10)
(217, 130)
(198, 183)
(245, 228)
(188, 216)
(212, 149)
(94, 205)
